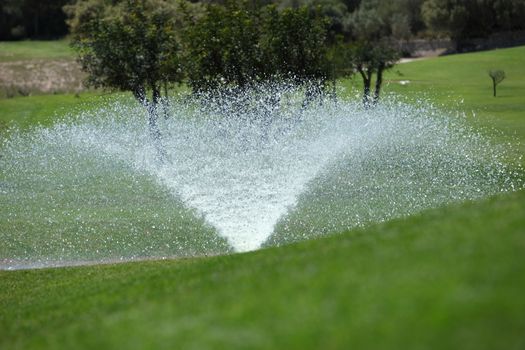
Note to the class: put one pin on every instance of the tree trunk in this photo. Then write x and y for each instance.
(334, 89)
(313, 92)
(379, 82)
(494, 86)
(151, 107)
(153, 123)
(165, 102)
(153, 115)
(367, 80)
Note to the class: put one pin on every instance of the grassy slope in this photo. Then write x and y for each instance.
(451, 278)
(461, 82)
(448, 278)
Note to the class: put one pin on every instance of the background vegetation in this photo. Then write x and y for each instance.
(402, 18)
(209, 43)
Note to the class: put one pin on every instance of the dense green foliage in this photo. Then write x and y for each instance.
(35, 19)
(142, 45)
(473, 18)
(221, 47)
(234, 45)
(130, 46)
(403, 18)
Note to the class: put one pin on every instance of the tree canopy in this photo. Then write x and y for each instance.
(460, 19)
(463, 19)
(237, 45)
(127, 45)
(37, 19)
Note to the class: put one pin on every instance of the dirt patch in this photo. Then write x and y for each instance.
(40, 76)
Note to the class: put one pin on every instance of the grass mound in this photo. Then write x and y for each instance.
(445, 279)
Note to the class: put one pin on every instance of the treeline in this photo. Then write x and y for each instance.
(147, 45)
(32, 19)
(402, 19)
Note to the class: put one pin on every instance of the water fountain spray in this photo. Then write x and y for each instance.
(241, 170)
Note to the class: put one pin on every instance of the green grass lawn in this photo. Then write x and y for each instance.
(451, 278)
(30, 49)
(24, 112)
(461, 83)
(448, 278)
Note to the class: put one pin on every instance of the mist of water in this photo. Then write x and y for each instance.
(240, 170)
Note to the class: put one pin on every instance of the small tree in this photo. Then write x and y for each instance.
(221, 47)
(294, 46)
(367, 59)
(497, 77)
(128, 45)
(293, 42)
(233, 45)
(373, 51)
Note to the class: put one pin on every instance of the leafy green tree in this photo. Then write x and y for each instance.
(367, 59)
(35, 19)
(372, 50)
(129, 45)
(335, 12)
(464, 19)
(510, 14)
(293, 43)
(221, 47)
(497, 76)
(446, 16)
(235, 46)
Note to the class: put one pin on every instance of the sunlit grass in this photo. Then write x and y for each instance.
(35, 49)
(448, 278)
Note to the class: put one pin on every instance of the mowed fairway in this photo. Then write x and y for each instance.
(461, 83)
(448, 278)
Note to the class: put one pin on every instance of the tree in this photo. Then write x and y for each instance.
(129, 45)
(236, 46)
(510, 14)
(465, 19)
(293, 43)
(372, 51)
(367, 59)
(497, 77)
(220, 47)
(34, 19)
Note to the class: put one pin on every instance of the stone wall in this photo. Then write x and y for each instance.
(437, 47)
